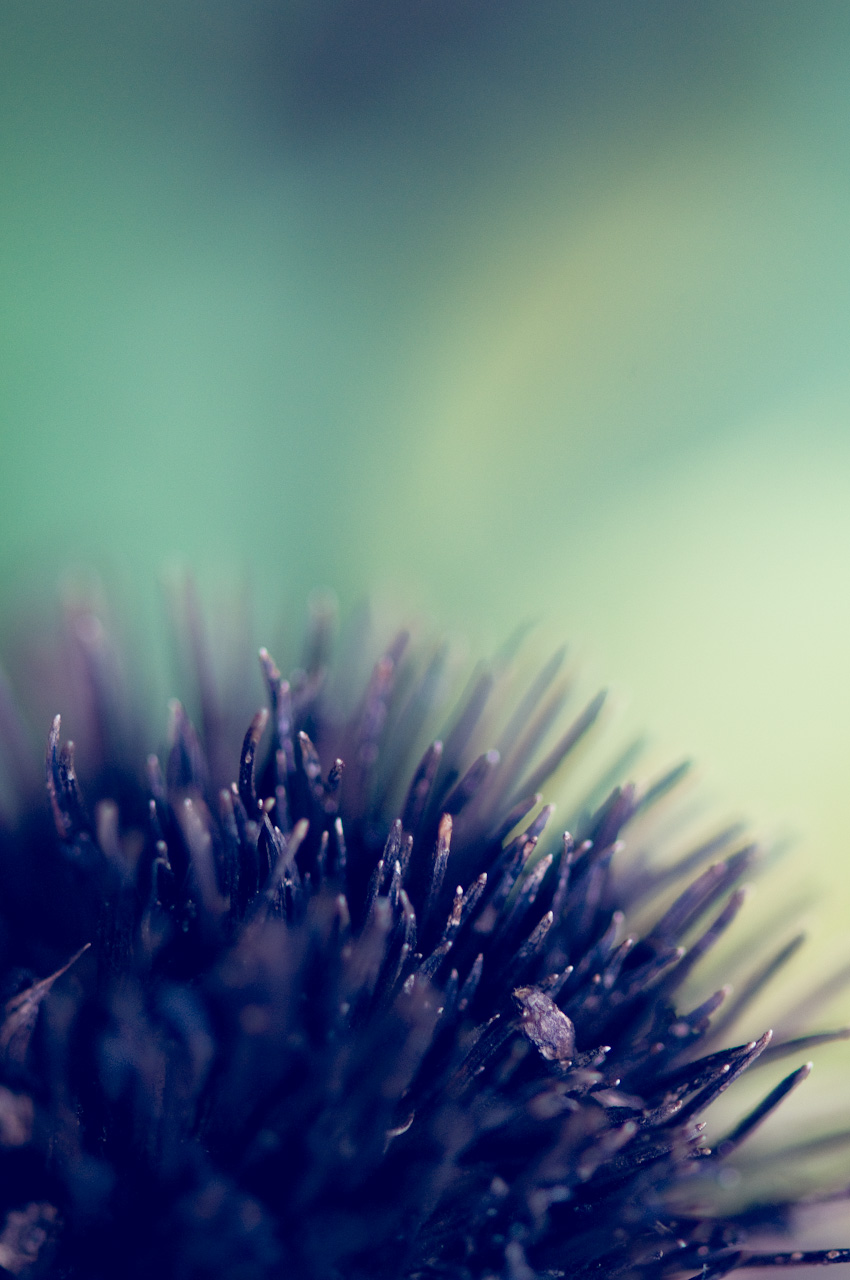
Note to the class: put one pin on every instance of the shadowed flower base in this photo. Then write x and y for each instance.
(295, 1028)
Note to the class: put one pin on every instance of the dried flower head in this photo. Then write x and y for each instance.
(330, 1024)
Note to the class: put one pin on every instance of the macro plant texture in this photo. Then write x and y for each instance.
(366, 1013)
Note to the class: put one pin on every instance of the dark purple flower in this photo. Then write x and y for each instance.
(357, 1016)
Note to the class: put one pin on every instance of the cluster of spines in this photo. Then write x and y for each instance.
(545, 1087)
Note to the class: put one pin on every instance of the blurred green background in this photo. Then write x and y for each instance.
(505, 310)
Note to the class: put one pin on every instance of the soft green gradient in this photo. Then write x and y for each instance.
(550, 321)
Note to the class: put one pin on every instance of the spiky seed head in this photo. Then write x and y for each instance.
(367, 1022)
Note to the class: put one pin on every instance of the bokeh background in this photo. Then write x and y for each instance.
(501, 310)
